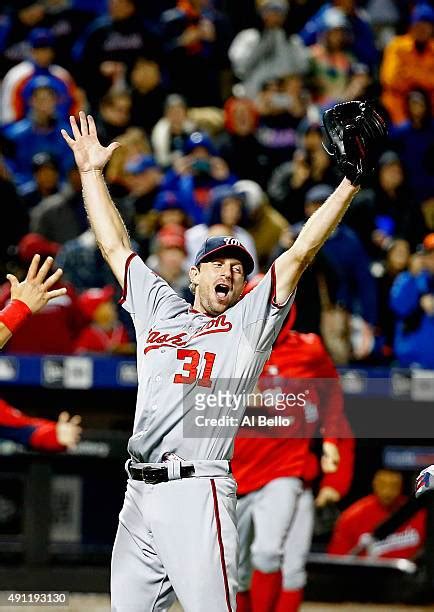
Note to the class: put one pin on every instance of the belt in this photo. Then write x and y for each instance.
(157, 474)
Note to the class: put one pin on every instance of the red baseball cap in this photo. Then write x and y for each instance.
(32, 244)
(89, 300)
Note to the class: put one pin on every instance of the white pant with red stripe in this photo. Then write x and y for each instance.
(177, 539)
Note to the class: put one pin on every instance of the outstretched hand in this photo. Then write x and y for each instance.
(36, 289)
(88, 151)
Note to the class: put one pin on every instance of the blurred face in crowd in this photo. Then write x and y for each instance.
(391, 176)
(176, 114)
(336, 39)
(387, 486)
(231, 211)
(171, 258)
(243, 119)
(43, 103)
(417, 107)
(145, 75)
(105, 315)
(47, 178)
(144, 182)
(44, 56)
(398, 256)
(31, 15)
(422, 31)
(272, 17)
(117, 111)
(121, 9)
(219, 284)
(171, 216)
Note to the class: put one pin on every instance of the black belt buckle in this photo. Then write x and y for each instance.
(154, 475)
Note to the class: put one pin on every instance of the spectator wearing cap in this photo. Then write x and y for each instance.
(414, 141)
(408, 63)
(238, 144)
(171, 131)
(148, 93)
(412, 301)
(362, 43)
(356, 290)
(37, 133)
(196, 39)
(168, 258)
(53, 329)
(46, 180)
(61, 217)
(143, 179)
(226, 208)
(259, 55)
(17, 87)
(110, 46)
(104, 333)
(196, 173)
(265, 224)
(170, 210)
(167, 211)
(334, 74)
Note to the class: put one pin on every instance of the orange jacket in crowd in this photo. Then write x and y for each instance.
(403, 69)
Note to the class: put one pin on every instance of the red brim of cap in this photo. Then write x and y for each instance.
(243, 255)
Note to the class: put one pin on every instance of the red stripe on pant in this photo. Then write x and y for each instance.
(220, 541)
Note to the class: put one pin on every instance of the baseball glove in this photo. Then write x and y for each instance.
(354, 134)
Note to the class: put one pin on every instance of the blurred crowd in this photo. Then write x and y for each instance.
(218, 107)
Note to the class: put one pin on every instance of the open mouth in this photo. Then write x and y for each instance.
(221, 291)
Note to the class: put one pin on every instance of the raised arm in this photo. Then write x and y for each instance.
(354, 133)
(91, 157)
(291, 264)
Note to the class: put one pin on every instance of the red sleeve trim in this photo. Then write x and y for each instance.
(273, 290)
(127, 265)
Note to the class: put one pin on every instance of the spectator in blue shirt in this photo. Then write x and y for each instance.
(196, 173)
(412, 300)
(36, 133)
(363, 43)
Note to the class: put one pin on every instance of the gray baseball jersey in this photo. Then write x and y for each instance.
(181, 351)
(180, 537)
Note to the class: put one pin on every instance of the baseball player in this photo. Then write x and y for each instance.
(29, 296)
(275, 502)
(177, 528)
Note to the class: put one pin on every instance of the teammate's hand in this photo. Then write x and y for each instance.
(330, 458)
(88, 151)
(327, 495)
(34, 289)
(68, 430)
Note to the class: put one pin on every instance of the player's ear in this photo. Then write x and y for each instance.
(193, 273)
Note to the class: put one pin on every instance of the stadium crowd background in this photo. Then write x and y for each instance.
(218, 107)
